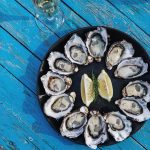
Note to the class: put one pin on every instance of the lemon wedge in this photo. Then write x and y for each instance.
(87, 91)
(105, 87)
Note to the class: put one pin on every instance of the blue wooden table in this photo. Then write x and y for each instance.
(23, 46)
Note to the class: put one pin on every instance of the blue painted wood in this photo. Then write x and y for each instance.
(16, 98)
(138, 11)
(22, 104)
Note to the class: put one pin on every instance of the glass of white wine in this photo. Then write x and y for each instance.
(49, 13)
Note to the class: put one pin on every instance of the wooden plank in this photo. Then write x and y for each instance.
(137, 11)
(127, 144)
(102, 13)
(23, 27)
(17, 60)
(143, 135)
(23, 103)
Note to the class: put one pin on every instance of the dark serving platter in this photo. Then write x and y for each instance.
(100, 104)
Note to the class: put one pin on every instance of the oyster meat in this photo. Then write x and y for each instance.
(76, 51)
(131, 68)
(117, 52)
(138, 88)
(118, 125)
(97, 42)
(134, 108)
(59, 105)
(73, 124)
(95, 130)
(55, 84)
(60, 64)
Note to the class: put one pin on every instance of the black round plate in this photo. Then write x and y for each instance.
(100, 104)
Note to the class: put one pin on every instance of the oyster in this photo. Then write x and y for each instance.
(55, 84)
(140, 89)
(76, 51)
(134, 108)
(59, 105)
(95, 130)
(97, 42)
(131, 68)
(118, 125)
(60, 64)
(73, 124)
(117, 52)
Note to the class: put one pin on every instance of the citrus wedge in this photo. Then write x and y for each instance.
(105, 87)
(87, 91)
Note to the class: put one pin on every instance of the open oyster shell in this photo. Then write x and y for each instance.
(138, 88)
(118, 125)
(97, 42)
(95, 130)
(59, 105)
(55, 84)
(60, 64)
(117, 52)
(76, 51)
(73, 124)
(134, 108)
(131, 68)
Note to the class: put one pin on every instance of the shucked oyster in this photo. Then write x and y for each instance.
(59, 105)
(76, 51)
(95, 130)
(55, 84)
(134, 108)
(131, 68)
(118, 125)
(60, 64)
(74, 123)
(117, 52)
(97, 42)
(140, 89)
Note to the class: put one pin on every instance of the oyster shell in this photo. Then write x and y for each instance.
(138, 88)
(97, 42)
(117, 52)
(134, 108)
(76, 51)
(55, 84)
(73, 124)
(60, 64)
(131, 68)
(118, 125)
(95, 130)
(59, 105)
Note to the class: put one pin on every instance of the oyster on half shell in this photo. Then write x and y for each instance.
(76, 51)
(134, 108)
(60, 64)
(73, 124)
(117, 52)
(138, 88)
(118, 125)
(95, 131)
(59, 105)
(55, 84)
(131, 68)
(97, 42)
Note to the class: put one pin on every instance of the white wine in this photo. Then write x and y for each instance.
(47, 6)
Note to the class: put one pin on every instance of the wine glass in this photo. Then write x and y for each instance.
(49, 13)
